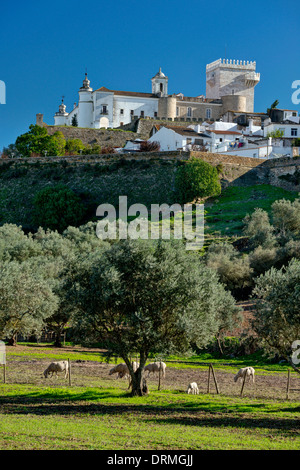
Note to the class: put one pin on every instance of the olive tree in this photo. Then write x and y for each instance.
(148, 297)
(259, 229)
(232, 267)
(26, 300)
(277, 318)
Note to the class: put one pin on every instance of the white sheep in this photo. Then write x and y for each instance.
(156, 367)
(55, 367)
(245, 372)
(193, 388)
(122, 370)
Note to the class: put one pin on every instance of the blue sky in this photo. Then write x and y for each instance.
(46, 47)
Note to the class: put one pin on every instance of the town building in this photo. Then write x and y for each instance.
(229, 88)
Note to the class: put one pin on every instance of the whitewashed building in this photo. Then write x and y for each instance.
(290, 130)
(229, 86)
(103, 108)
(172, 138)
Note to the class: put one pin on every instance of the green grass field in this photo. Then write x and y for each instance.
(47, 414)
(225, 214)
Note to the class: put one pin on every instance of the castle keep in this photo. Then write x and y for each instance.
(229, 87)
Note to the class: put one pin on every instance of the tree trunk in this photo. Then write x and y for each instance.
(12, 341)
(58, 334)
(139, 386)
(220, 346)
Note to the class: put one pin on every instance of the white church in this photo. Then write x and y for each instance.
(229, 86)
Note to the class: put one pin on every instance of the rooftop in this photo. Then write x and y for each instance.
(126, 93)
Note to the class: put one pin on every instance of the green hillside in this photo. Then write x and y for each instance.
(144, 182)
(225, 214)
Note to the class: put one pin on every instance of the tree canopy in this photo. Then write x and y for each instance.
(196, 179)
(147, 297)
(56, 207)
(277, 319)
(38, 141)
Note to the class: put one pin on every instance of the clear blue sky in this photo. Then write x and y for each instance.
(46, 47)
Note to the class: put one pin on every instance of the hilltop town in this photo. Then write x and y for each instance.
(221, 121)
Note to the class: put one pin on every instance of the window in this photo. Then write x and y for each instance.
(131, 112)
(189, 112)
(177, 111)
(208, 113)
(122, 111)
(161, 87)
(294, 131)
(232, 92)
(142, 113)
(155, 113)
(104, 109)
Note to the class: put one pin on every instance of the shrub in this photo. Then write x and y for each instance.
(107, 150)
(73, 146)
(259, 229)
(196, 179)
(57, 207)
(147, 146)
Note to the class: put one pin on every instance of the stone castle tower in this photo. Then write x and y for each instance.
(233, 81)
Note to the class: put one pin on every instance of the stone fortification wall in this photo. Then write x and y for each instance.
(234, 170)
(102, 137)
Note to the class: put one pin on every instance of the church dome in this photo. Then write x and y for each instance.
(159, 74)
(86, 83)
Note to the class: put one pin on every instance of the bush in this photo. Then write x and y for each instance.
(38, 142)
(57, 207)
(259, 229)
(196, 179)
(107, 150)
(147, 146)
(73, 146)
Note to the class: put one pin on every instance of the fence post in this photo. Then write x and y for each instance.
(4, 373)
(243, 385)
(215, 380)
(159, 373)
(69, 368)
(288, 385)
(208, 379)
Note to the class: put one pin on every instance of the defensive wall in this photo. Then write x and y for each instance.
(234, 170)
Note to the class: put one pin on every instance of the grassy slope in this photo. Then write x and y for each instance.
(225, 214)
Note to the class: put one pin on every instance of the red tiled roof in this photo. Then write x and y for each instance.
(182, 130)
(127, 93)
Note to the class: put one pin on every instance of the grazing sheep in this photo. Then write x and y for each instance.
(193, 388)
(155, 367)
(245, 372)
(122, 370)
(54, 367)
